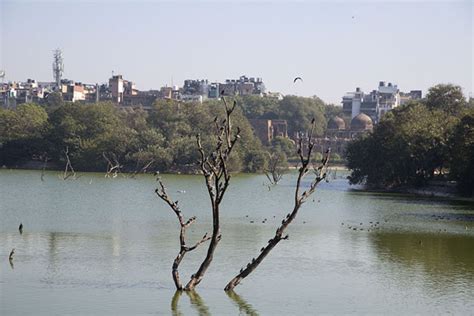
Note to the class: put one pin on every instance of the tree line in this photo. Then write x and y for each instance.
(160, 139)
(419, 142)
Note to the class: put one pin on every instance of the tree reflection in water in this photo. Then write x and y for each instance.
(196, 302)
(244, 307)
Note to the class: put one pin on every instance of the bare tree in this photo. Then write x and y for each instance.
(68, 169)
(276, 167)
(320, 174)
(216, 173)
(113, 165)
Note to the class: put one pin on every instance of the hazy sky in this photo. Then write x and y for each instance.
(333, 46)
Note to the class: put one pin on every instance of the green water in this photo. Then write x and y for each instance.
(105, 246)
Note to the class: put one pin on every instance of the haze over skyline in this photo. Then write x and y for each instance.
(334, 47)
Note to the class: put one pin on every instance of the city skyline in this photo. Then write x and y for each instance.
(333, 47)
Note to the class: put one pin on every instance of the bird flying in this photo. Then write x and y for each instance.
(296, 79)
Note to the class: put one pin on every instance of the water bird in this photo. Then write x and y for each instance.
(10, 257)
(263, 248)
(304, 222)
(296, 79)
(251, 222)
(361, 223)
(342, 224)
(20, 228)
(241, 270)
(181, 191)
(246, 216)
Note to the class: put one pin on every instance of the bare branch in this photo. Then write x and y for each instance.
(214, 168)
(299, 200)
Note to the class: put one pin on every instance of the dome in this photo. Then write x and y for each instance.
(336, 123)
(361, 122)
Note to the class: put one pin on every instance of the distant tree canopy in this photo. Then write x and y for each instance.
(417, 142)
(165, 135)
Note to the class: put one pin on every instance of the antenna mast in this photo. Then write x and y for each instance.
(58, 67)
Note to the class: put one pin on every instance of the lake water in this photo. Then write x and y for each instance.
(105, 246)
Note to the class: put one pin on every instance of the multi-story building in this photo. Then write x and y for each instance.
(376, 103)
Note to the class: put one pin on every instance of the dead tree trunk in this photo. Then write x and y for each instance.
(274, 173)
(68, 167)
(214, 168)
(113, 168)
(299, 199)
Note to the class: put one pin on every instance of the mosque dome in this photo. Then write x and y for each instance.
(336, 123)
(361, 122)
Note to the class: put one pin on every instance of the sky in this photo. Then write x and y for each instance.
(334, 46)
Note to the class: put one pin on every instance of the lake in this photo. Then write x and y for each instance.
(101, 246)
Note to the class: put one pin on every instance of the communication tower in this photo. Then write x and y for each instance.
(58, 67)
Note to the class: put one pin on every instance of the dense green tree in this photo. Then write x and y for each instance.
(409, 146)
(300, 111)
(331, 110)
(256, 107)
(462, 153)
(446, 97)
(285, 145)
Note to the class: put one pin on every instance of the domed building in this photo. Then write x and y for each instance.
(336, 123)
(338, 135)
(360, 123)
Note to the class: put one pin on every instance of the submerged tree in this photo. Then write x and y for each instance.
(277, 165)
(320, 173)
(214, 167)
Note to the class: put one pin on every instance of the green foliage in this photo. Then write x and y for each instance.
(284, 145)
(300, 111)
(54, 100)
(418, 142)
(163, 138)
(446, 97)
(331, 110)
(21, 133)
(406, 147)
(462, 152)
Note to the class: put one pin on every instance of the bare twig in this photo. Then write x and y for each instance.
(299, 199)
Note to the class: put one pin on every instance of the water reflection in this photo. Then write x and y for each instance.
(196, 302)
(442, 258)
(244, 307)
(175, 304)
